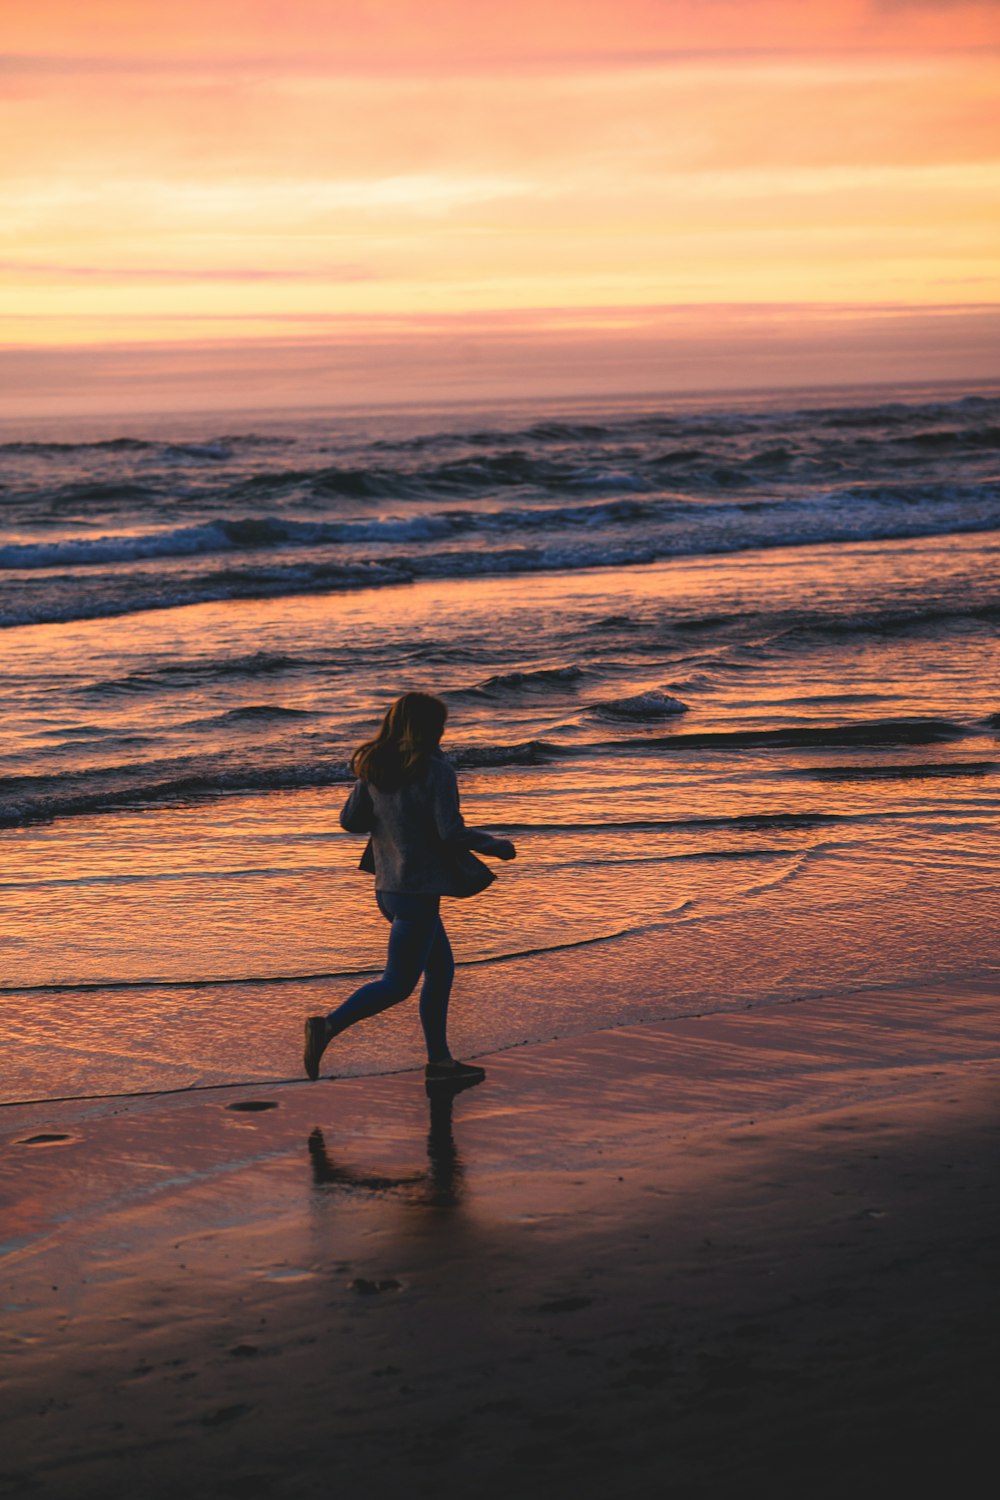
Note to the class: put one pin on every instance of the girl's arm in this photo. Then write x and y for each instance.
(357, 814)
(451, 826)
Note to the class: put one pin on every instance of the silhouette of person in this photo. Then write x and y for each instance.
(419, 849)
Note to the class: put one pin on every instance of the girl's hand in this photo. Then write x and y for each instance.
(504, 849)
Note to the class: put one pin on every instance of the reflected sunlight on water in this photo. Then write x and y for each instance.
(730, 778)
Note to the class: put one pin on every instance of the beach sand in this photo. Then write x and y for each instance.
(747, 1253)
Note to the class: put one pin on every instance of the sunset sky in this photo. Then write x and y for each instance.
(196, 180)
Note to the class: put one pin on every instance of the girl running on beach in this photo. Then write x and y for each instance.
(419, 849)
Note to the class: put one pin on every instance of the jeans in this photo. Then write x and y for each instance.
(418, 945)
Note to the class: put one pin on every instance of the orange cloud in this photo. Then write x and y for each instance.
(379, 36)
(182, 164)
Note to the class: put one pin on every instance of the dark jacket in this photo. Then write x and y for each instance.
(419, 841)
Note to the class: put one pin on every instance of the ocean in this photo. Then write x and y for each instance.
(724, 669)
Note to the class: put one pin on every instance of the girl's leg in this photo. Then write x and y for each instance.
(439, 971)
(414, 926)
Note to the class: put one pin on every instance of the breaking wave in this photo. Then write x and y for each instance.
(42, 797)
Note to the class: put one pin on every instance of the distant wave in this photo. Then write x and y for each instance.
(878, 417)
(788, 630)
(874, 733)
(64, 597)
(196, 672)
(43, 797)
(465, 478)
(200, 672)
(211, 448)
(661, 491)
(756, 822)
(106, 595)
(128, 524)
(527, 753)
(916, 771)
(252, 713)
(653, 704)
(102, 445)
(251, 533)
(38, 798)
(503, 684)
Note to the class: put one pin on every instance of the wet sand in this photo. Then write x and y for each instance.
(740, 1254)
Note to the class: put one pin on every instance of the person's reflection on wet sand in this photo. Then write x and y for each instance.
(445, 1173)
(438, 1186)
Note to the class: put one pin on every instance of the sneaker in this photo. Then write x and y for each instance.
(316, 1040)
(453, 1072)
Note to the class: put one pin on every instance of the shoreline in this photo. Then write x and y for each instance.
(976, 987)
(682, 1254)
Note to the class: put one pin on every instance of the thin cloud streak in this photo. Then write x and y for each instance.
(312, 65)
(418, 193)
(188, 273)
(645, 320)
(440, 34)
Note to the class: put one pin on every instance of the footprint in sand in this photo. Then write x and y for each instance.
(367, 1288)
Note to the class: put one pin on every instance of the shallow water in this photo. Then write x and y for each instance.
(733, 777)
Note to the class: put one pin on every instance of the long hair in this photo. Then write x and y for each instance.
(411, 732)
